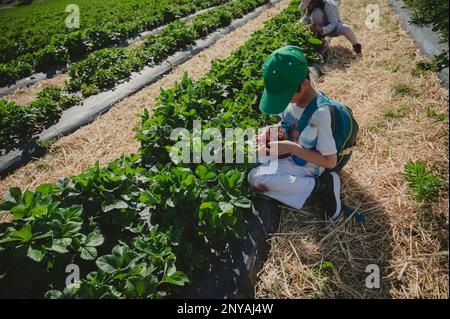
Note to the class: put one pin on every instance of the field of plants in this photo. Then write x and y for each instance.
(431, 12)
(123, 222)
(142, 226)
(43, 40)
(105, 68)
(434, 13)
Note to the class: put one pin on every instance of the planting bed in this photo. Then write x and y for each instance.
(106, 68)
(42, 41)
(141, 227)
(79, 115)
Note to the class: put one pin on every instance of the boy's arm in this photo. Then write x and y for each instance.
(314, 157)
(306, 19)
(326, 154)
(333, 16)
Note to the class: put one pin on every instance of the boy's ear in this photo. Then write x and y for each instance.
(305, 84)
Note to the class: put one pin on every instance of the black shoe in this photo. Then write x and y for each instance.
(357, 48)
(329, 195)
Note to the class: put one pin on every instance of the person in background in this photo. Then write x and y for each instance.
(325, 20)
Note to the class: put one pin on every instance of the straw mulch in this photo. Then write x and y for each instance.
(407, 240)
(28, 94)
(309, 259)
(113, 133)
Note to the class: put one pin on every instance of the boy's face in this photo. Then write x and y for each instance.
(311, 5)
(298, 96)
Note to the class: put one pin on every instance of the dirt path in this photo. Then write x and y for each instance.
(112, 134)
(406, 240)
(26, 95)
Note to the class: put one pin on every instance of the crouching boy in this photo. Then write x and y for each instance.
(325, 128)
(325, 20)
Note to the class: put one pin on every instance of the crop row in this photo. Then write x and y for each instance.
(434, 12)
(105, 68)
(143, 227)
(43, 50)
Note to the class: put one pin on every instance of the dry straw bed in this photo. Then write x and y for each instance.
(309, 259)
(407, 240)
(113, 134)
(26, 95)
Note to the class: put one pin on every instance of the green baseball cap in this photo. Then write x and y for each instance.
(283, 71)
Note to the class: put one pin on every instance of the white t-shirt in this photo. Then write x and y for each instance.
(288, 182)
(325, 143)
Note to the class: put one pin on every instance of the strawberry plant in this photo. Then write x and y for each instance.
(105, 68)
(19, 122)
(47, 43)
(143, 227)
(431, 12)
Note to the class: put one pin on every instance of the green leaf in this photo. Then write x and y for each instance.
(53, 294)
(226, 207)
(45, 189)
(204, 174)
(19, 212)
(36, 254)
(120, 258)
(242, 202)
(24, 234)
(314, 41)
(94, 239)
(136, 287)
(88, 253)
(172, 201)
(119, 204)
(28, 197)
(14, 195)
(235, 179)
(74, 211)
(176, 278)
(71, 229)
(149, 198)
(43, 235)
(106, 264)
(59, 246)
(39, 210)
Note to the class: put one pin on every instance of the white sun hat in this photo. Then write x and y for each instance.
(304, 4)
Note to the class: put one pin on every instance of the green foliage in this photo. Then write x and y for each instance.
(437, 64)
(402, 90)
(142, 227)
(432, 113)
(424, 184)
(435, 12)
(396, 113)
(19, 122)
(36, 38)
(105, 68)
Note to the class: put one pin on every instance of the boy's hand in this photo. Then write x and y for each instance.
(284, 147)
(316, 28)
(266, 130)
(260, 188)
